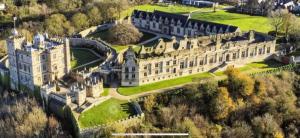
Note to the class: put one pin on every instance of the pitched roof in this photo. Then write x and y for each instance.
(185, 20)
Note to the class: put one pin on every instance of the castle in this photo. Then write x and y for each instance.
(174, 58)
(36, 63)
(75, 95)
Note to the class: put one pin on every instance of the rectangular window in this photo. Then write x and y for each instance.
(156, 65)
(133, 69)
(133, 76)
(181, 65)
(201, 62)
(174, 62)
(268, 50)
(178, 30)
(145, 74)
(168, 63)
(126, 76)
(126, 69)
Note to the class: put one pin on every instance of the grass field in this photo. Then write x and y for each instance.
(179, 9)
(82, 56)
(106, 112)
(106, 92)
(162, 84)
(245, 22)
(256, 67)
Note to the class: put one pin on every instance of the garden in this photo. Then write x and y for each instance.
(81, 56)
(107, 112)
(104, 35)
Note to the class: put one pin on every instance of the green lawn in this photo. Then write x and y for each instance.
(180, 9)
(162, 84)
(82, 56)
(109, 111)
(245, 22)
(106, 92)
(256, 67)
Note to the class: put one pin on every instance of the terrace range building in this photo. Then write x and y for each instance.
(178, 25)
(199, 46)
(37, 63)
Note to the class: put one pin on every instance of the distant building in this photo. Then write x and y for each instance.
(37, 63)
(199, 3)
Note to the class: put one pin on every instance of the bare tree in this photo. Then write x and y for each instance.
(276, 19)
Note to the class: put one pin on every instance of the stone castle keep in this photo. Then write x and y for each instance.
(170, 59)
(36, 63)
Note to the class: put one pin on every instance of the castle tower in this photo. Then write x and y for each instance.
(68, 55)
(80, 93)
(94, 87)
(14, 43)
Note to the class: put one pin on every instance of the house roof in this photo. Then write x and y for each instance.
(185, 20)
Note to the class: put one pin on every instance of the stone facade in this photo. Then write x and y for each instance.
(177, 58)
(77, 94)
(178, 25)
(37, 63)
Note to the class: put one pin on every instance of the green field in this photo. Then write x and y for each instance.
(82, 56)
(256, 67)
(106, 92)
(245, 22)
(109, 111)
(162, 84)
(180, 9)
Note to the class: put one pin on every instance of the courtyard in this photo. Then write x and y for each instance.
(81, 57)
(107, 112)
(104, 36)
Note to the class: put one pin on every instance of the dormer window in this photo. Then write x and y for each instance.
(172, 21)
(154, 18)
(166, 21)
(178, 23)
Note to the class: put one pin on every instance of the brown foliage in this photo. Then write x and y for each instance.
(124, 34)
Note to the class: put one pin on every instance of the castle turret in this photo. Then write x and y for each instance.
(94, 87)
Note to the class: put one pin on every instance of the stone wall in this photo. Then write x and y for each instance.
(89, 43)
(127, 122)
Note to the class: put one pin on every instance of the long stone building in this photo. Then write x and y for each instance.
(177, 58)
(37, 63)
(178, 25)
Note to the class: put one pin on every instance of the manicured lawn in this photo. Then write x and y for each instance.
(245, 22)
(162, 84)
(180, 9)
(109, 111)
(81, 56)
(106, 92)
(256, 67)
